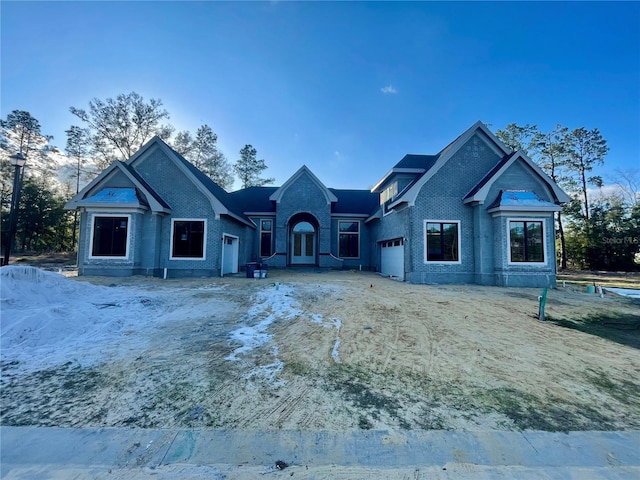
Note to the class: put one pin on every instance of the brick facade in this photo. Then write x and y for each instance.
(457, 185)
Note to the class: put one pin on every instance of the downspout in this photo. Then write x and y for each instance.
(477, 246)
(411, 220)
(222, 258)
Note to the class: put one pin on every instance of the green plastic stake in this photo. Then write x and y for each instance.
(543, 302)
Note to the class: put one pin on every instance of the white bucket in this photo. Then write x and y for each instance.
(256, 274)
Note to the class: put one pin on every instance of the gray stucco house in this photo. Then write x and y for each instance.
(476, 212)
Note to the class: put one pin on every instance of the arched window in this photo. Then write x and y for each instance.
(303, 227)
(303, 243)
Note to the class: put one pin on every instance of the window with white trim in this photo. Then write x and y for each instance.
(110, 236)
(526, 241)
(442, 241)
(266, 229)
(187, 238)
(349, 239)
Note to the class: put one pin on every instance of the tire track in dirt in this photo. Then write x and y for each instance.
(290, 408)
(283, 410)
(391, 348)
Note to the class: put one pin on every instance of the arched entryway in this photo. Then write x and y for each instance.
(303, 240)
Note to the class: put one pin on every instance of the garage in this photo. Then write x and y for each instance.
(392, 258)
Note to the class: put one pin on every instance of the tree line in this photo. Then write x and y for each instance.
(109, 130)
(596, 230)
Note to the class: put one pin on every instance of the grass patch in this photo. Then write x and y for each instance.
(415, 401)
(300, 369)
(43, 397)
(626, 392)
(606, 279)
(355, 384)
(623, 328)
(46, 259)
(528, 412)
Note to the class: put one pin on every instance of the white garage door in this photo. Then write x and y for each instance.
(392, 258)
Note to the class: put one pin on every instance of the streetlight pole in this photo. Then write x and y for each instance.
(18, 160)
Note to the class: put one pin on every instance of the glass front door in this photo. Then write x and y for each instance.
(303, 244)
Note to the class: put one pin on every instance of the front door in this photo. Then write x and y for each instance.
(303, 244)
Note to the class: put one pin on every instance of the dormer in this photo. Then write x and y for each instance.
(404, 174)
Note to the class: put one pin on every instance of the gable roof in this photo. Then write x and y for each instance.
(277, 195)
(490, 174)
(147, 187)
(480, 191)
(445, 154)
(410, 163)
(254, 200)
(155, 202)
(218, 196)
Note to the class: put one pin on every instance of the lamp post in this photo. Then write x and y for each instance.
(18, 160)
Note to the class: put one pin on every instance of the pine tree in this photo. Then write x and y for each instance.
(248, 168)
(78, 147)
(585, 150)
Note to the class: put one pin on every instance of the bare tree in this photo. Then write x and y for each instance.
(628, 182)
(183, 143)
(120, 126)
(202, 151)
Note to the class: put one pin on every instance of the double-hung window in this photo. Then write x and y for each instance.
(442, 241)
(188, 239)
(266, 229)
(349, 239)
(526, 241)
(110, 236)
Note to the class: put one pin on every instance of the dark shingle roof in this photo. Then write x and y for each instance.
(254, 199)
(355, 201)
(417, 161)
(219, 192)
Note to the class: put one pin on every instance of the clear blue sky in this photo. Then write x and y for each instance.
(345, 88)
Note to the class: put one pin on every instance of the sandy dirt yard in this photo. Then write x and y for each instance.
(335, 351)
